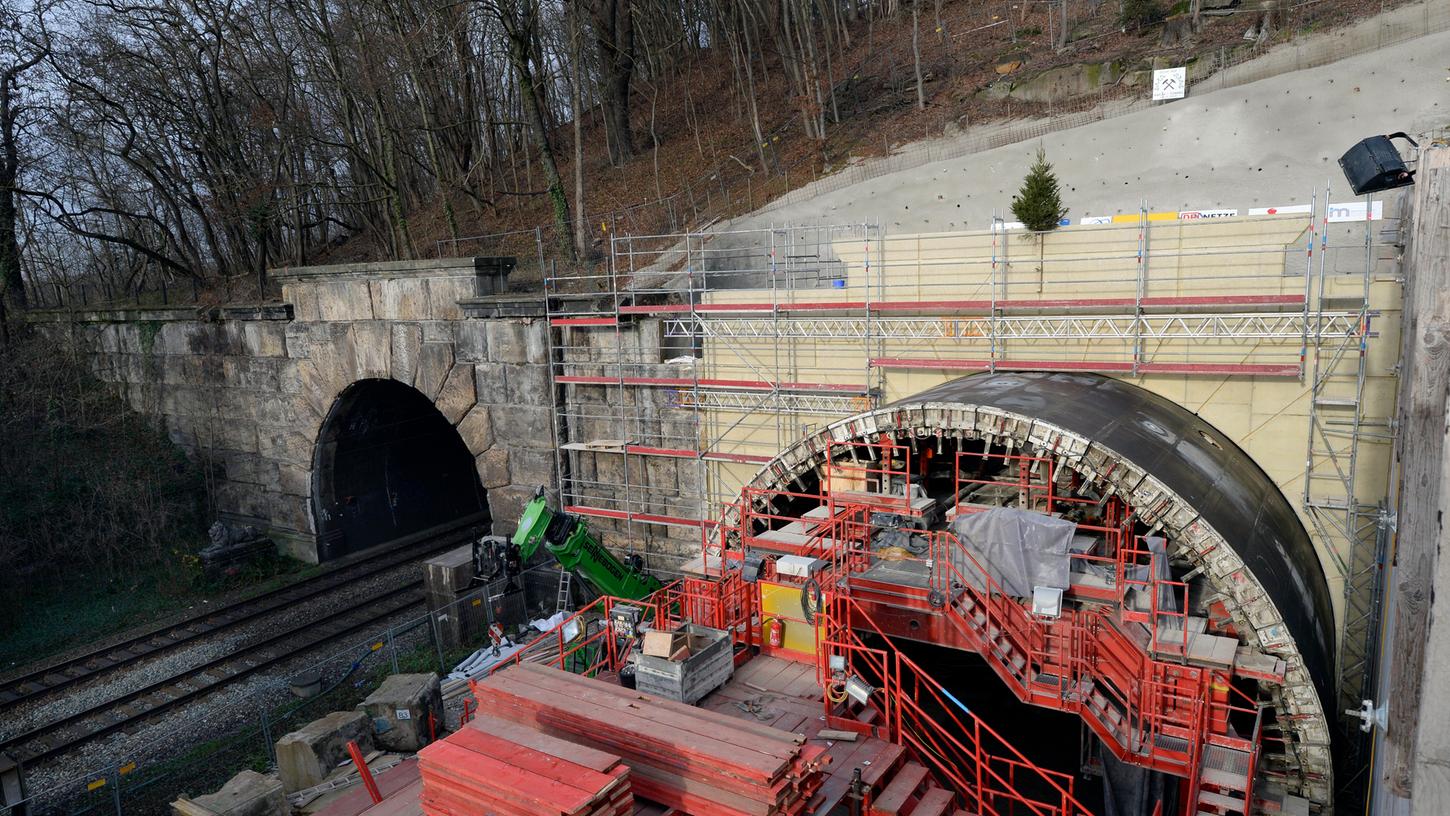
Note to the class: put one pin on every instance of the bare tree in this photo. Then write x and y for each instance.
(24, 43)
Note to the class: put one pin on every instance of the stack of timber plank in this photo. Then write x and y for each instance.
(697, 761)
(504, 769)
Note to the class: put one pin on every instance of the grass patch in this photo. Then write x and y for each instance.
(54, 617)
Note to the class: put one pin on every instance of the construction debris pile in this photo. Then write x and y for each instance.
(683, 757)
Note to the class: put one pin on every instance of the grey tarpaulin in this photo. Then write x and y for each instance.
(1019, 549)
(1132, 790)
(1158, 546)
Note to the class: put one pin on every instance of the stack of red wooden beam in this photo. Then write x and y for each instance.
(504, 769)
(697, 761)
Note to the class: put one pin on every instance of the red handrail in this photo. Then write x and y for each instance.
(950, 747)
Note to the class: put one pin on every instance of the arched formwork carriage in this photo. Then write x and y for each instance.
(1225, 521)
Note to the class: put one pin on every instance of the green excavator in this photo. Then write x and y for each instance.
(568, 540)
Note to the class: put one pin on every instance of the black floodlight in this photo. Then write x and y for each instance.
(1374, 165)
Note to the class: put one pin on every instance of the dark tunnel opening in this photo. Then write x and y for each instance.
(388, 464)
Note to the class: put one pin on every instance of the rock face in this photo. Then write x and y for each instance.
(246, 794)
(400, 710)
(306, 756)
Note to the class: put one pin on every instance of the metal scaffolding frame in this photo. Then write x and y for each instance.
(1354, 531)
(761, 299)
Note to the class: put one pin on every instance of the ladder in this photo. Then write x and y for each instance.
(564, 591)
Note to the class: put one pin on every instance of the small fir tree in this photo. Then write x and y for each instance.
(1038, 205)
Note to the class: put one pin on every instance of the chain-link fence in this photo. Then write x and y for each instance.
(213, 742)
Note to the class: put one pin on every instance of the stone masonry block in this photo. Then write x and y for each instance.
(528, 385)
(533, 466)
(536, 337)
(306, 756)
(264, 339)
(506, 504)
(524, 426)
(246, 794)
(472, 341)
(401, 298)
(407, 341)
(400, 709)
(493, 468)
(372, 342)
(444, 294)
(477, 429)
(438, 331)
(457, 395)
(492, 382)
(507, 341)
(344, 300)
(434, 362)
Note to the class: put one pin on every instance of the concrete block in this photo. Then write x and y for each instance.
(306, 756)
(457, 395)
(400, 709)
(476, 428)
(246, 794)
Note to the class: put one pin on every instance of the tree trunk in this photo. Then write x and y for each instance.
(521, 32)
(916, 53)
(581, 239)
(614, 39)
(10, 279)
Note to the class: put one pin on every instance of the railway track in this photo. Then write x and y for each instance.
(156, 642)
(129, 710)
(133, 708)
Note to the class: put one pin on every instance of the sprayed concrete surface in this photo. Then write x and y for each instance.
(1260, 144)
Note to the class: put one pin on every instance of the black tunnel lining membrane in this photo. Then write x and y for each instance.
(1221, 482)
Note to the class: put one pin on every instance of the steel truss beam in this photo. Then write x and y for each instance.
(1204, 326)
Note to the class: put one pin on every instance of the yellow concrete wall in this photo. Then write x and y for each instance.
(1267, 416)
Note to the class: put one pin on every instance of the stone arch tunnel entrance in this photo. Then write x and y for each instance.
(388, 464)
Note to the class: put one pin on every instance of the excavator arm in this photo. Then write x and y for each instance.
(568, 540)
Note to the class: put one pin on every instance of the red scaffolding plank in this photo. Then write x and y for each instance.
(584, 321)
(687, 382)
(1228, 369)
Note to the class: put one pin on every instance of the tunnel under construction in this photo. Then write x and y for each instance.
(1137, 468)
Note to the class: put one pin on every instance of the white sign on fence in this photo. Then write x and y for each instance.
(1348, 211)
(1169, 83)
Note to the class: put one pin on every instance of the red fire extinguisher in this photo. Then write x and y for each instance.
(775, 632)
